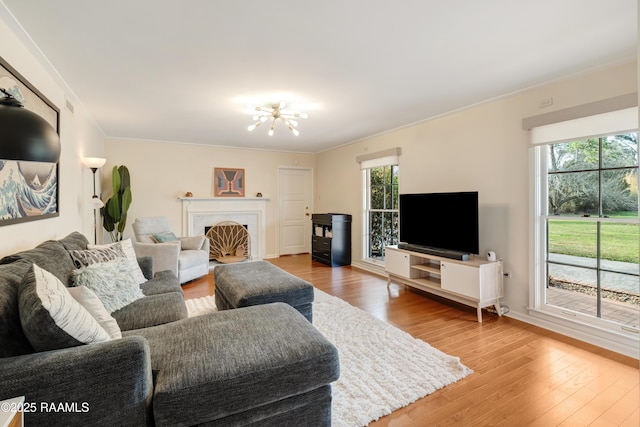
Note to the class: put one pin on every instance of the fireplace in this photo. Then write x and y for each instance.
(198, 213)
(228, 242)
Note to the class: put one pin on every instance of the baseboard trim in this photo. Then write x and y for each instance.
(621, 344)
(371, 268)
(627, 346)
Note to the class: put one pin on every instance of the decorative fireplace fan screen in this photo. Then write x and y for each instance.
(229, 242)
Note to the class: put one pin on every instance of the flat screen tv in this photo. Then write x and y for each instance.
(442, 221)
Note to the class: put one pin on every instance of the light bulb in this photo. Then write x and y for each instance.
(264, 119)
(295, 132)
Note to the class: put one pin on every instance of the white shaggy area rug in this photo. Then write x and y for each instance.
(381, 367)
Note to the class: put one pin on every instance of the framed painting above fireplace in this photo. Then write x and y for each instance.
(229, 182)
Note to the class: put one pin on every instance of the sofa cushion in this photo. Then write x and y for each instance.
(90, 301)
(74, 241)
(50, 256)
(127, 248)
(145, 228)
(112, 281)
(229, 362)
(51, 318)
(13, 341)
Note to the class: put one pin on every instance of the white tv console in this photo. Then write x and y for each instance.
(475, 282)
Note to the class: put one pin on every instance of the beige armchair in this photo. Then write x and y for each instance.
(186, 257)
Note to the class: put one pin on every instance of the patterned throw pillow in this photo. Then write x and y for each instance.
(83, 258)
(112, 281)
(127, 247)
(51, 318)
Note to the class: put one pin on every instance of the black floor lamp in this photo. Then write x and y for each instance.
(95, 163)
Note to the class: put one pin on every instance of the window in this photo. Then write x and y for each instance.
(585, 228)
(592, 228)
(380, 210)
(588, 231)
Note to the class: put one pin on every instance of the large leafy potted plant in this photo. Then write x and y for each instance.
(114, 212)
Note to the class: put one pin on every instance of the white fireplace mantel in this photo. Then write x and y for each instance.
(198, 212)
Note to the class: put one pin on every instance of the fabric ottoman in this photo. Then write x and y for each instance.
(263, 366)
(260, 282)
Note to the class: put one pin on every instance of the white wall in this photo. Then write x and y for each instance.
(79, 137)
(161, 172)
(481, 148)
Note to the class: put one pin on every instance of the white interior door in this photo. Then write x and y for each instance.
(295, 202)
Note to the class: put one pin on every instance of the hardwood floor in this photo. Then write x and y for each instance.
(523, 375)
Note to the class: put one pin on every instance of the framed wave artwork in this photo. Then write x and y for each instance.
(28, 190)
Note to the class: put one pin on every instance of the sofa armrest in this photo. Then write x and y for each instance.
(165, 255)
(107, 383)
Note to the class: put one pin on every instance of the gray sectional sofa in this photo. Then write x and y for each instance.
(263, 365)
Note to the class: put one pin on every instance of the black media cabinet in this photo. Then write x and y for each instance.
(331, 239)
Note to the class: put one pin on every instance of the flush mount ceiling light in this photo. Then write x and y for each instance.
(274, 113)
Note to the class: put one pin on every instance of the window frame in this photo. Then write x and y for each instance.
(585, 325)
(367, 210)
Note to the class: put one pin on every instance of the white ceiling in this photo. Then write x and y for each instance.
(184, 70)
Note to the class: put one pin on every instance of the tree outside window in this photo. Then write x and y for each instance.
(592, 228)
(381, 211)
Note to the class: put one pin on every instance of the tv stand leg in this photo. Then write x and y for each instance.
(388, 280)
(479, 314)
(498, 309)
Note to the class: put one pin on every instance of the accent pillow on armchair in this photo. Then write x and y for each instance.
(186, 257)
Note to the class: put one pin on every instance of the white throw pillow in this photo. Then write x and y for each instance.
(127, 247)
(112, 282)
(89, 300)
(51, 318)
